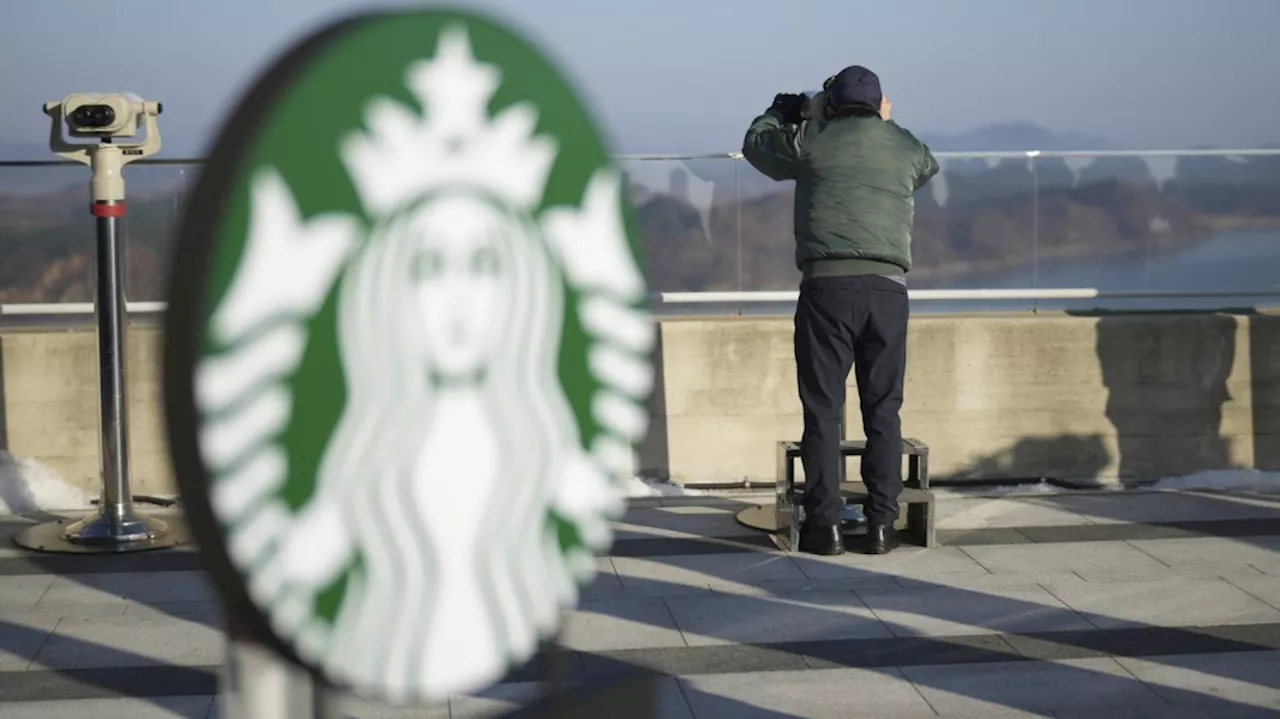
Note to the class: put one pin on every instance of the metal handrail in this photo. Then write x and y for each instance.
(1251, 152)
(29, 309)
(747, 297)
(1068, 293)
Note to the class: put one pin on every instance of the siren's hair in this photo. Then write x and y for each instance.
(369, 466)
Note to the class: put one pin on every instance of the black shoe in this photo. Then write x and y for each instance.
(881, 538)
(826, 541)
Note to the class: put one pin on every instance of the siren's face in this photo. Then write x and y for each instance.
(459, 273)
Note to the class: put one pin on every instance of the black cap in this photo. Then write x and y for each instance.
(854, 85)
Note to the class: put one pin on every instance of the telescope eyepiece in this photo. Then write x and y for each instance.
(91, 117)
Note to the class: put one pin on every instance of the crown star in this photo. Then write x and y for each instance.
(454, 141)
(455, 75)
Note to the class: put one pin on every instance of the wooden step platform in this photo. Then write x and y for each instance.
(916, 524)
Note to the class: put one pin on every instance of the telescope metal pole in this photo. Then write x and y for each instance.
(117, 499)
(116, 527)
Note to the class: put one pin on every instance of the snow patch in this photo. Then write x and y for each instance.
(1000, 490)
(27, 486)
(1246, 480)
(1033, 488)
(638, 487)
(1227, 480)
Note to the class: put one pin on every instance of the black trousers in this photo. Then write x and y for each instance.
(858, 322)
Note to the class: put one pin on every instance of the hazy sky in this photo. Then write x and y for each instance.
(687, 75)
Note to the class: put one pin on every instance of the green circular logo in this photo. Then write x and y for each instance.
(406, 356)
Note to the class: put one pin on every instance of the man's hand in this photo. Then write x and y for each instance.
(790, 106)
(886, 108)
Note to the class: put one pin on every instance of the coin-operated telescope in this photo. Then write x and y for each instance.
(115, 527)
(106, 117)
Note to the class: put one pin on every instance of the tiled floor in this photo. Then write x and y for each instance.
(1070, 606)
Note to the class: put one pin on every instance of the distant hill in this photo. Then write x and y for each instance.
(1013, 137)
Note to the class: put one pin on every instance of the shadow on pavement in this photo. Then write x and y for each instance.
(873, 632)
(944, 664)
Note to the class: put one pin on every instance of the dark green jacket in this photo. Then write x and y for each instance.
(855, 184)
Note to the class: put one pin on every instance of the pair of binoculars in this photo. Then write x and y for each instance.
(815, 105)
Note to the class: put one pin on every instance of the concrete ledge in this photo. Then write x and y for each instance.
(1125, 397)
(1122, 397)
(49, 404)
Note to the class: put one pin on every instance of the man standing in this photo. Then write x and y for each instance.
(856, 173)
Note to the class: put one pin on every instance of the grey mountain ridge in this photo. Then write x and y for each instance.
(1013, 137)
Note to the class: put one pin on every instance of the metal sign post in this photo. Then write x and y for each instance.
(116, 526)
(258, 682)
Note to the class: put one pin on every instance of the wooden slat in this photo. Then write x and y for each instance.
(856, 491)
(911, 447)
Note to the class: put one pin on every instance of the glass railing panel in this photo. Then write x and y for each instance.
(768, 239)
(975, 224)
(1163, 223)
(975, 218)
(156, 197)
(46, 235)
(687, 217)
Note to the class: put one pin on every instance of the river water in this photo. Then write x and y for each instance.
(1241, 260)
(1236, 261)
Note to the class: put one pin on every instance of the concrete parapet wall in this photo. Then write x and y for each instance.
(1129, 398)
(49, 405)
(1121, 397)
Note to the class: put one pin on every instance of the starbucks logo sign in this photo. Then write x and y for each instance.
(406, 355)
